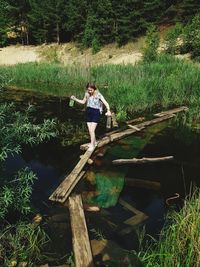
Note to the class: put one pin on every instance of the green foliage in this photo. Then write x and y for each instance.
(36, 22)
(21, 243)
(178, 244)
(152, 43)
(171, 39)
(16, 128)
(185, 39)
(95, 45)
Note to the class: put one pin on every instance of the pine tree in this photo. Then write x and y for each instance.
(188, 9)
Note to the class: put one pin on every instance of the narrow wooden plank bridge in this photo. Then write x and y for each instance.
(81, 243)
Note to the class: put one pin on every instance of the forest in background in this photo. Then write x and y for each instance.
(90, 23)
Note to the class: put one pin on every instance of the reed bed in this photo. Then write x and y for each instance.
(179, 243)
(165, 83)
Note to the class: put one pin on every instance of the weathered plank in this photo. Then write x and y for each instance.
(65, 188)
(119, 135)
(114, 121)
(142, 183)
(140, 161)
(136, 219)
(139, 119)
(80, 238)
(171, 111)
(128, 206)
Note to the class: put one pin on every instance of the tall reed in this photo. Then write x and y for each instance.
(179, 243)
(165, 83)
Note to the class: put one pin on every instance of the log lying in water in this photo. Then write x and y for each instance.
(137, 218)
(80, 239)
(119, 135)
(142, 183)
(172, 111)
(140, 161)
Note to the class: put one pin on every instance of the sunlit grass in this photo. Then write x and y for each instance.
(166, 83)
(179, 243)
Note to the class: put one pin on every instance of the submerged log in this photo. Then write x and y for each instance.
(142, 183)
(119, 135)
(140, 161)
(136, 219)
(172, 111)
(80, 238)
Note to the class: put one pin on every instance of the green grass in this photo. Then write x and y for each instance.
(132, 89)
(179, 243)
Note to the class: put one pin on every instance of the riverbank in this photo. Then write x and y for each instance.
(163, 84)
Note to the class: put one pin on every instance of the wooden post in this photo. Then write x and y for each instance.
(80, 238)
(171, 111)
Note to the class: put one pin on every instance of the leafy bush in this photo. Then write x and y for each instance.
(152, 43)
(16, 128)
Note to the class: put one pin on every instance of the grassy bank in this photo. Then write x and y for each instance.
(165, 83)
(179, 243)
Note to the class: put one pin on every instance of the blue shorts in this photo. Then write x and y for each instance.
(92, 114)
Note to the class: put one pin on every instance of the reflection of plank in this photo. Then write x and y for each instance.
(140, 161)
(142, 183)
(136, 219)
(80, 239)
(119, 135)
(65, 188)
(172, 111)
(128, 206)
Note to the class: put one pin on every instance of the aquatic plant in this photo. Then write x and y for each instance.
(179, 242)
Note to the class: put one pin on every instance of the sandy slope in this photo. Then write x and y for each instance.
(18, 54)
(68, 54)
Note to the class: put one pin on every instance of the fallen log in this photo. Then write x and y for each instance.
(80, 239)
(137, 219)
(142, 183)
(140, 161)
(119, 135)
(172, 111)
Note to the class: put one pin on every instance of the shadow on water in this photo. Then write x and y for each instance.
(104, 183)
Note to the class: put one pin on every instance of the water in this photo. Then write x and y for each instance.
(52, 162)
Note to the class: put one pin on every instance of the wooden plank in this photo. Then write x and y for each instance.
(119, 135)
(128, 206)
(114, 121)
(80, 238)
(65, 188)
(139, 119)
(141, 183)
(172, 111)
(139, 218)
(140, 161)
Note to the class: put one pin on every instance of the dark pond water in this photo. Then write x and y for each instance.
(104, 183)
